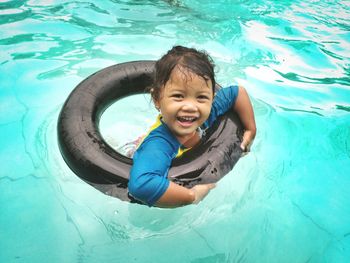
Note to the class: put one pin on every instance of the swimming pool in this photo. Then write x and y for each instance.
(287, 201)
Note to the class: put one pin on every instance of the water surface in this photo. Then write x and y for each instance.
(286, 201)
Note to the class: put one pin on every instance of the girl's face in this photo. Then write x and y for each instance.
(185, 103)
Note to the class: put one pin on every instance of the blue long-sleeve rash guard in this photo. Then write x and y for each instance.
(152, 160)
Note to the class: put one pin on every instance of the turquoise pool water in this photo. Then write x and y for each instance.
(287, 201)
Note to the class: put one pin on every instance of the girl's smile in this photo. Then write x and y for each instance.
(185, 103)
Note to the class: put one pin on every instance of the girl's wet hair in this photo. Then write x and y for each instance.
(197, 62)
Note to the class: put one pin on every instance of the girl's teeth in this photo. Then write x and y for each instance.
(186, 118)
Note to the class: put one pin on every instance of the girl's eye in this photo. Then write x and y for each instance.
(203, 97)
(177, 96)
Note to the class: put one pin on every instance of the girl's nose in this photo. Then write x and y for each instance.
(189, 106)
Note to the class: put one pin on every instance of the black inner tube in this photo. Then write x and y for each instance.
(97, 163)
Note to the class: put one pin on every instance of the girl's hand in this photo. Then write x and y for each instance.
(247, 141)
(200, 191)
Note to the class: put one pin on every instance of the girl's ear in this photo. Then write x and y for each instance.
(156, 104)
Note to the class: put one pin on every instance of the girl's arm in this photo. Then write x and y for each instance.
(177, 195)
(148, 178)
(244, 109)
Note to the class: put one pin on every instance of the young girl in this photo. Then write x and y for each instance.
(184, 93)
